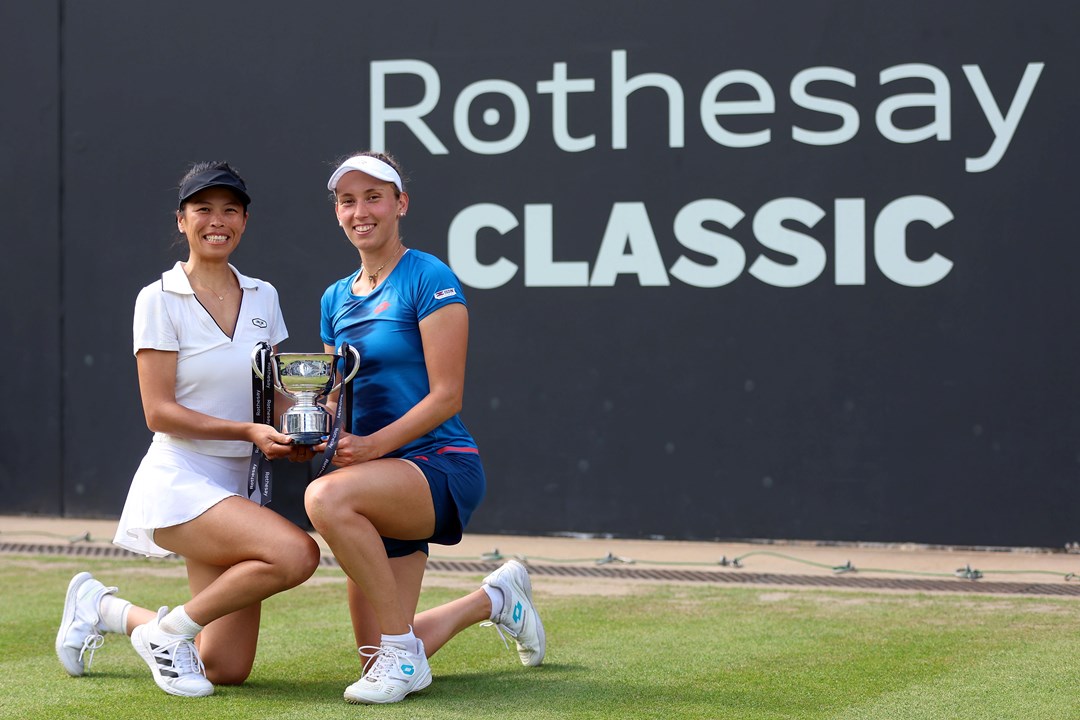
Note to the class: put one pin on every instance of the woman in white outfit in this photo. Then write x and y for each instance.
(195, 328)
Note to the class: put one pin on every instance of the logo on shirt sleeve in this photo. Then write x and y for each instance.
(442, 294)
(258, 322)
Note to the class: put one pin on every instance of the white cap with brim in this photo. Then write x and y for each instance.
(368, 165)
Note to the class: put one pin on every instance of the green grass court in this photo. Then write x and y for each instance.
(615, 650)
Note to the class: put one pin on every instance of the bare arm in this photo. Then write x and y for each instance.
(157, 385)
(445, 337)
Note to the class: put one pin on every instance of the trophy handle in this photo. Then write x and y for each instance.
(255, 362)
(355, 368)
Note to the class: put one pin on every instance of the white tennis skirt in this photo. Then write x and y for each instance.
(172, 486)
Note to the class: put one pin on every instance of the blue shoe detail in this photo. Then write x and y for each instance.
(408, 669)
(518, 616)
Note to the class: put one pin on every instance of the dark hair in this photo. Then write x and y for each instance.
(201, 167)
(385, 157)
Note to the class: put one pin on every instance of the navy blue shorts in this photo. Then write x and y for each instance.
(456, 479)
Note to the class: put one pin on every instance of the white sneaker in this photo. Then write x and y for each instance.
(390, 674)
(173, 659)
(79, 630)
(518, 617)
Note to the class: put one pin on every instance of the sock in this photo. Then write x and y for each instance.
(177, 622)
(113, 612)
(496, 596)
(406, 641)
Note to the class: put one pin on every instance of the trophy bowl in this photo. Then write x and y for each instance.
(306, 378)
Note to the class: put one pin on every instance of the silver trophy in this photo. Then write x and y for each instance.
(306, 378)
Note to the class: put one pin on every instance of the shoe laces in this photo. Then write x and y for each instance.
(184, 655)
(381, 661)
(499, 628)
(91, 642)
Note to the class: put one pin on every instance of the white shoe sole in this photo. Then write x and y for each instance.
(70, 601)
(541, 636)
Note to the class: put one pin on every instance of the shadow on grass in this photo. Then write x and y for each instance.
(521, 675)
(269, 688)
(552, 690)
(453, 687)
(565, 690)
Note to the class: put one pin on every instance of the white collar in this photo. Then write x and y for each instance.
(176, 280)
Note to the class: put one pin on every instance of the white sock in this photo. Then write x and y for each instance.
(407, 641)
(177, 622)
(496, 596)
(113, 612)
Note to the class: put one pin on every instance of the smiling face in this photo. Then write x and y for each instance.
(213, 221)
(368, 210)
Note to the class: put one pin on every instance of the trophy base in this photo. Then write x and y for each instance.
(307, 438)
(306, 424)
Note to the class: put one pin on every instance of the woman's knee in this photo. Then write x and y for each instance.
(228, 656)
(301, 561)
(226, 672)
(322, 501)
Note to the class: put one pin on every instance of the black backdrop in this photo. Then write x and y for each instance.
(845, 314)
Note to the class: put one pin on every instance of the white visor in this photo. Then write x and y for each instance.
(368, 165)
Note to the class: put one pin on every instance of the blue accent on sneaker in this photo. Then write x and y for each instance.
(390, 674)
(517, 616)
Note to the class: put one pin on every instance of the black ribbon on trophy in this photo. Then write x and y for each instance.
(343, 414)
(261, 473)
(304, 377)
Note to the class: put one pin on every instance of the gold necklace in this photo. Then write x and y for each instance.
(374, 276)
(202, 284)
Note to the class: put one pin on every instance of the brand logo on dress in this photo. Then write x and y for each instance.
(382, 306)
(258, 322)
(448, 292)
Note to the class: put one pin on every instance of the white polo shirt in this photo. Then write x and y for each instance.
(213, 371)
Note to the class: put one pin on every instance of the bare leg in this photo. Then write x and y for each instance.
(232, 536)
(227, 645)
(409, 574)
(437, 625)
(352, 508)
(137, 616)
(231, 569)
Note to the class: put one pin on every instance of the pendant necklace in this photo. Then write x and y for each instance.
(218, 295)
(374, 276)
